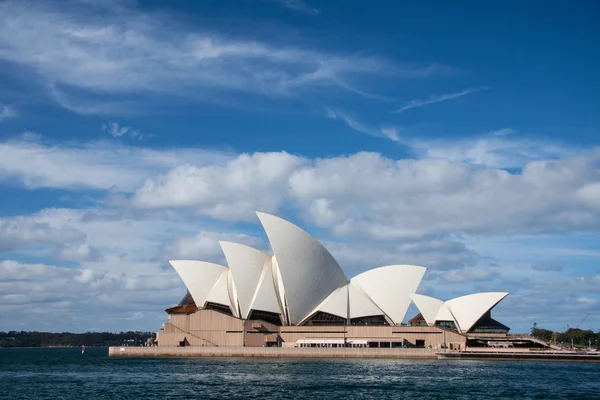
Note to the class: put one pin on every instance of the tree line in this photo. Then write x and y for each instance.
(571, 337)
(67, 339)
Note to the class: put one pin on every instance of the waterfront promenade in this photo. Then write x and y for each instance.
(400, 353)
(290, 352)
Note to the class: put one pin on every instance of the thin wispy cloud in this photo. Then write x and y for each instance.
(7, 112)
(144, 53)
(503, 148)
(385, 132)
(116, 130)
(438, 99)
(299, 6)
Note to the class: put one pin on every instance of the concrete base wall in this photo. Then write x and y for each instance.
(288, 352)
(210, 328)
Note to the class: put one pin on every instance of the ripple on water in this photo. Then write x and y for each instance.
(65, 373)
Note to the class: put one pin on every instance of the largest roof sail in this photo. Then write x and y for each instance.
(308, 271)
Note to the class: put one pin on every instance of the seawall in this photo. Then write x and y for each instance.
(287, 352)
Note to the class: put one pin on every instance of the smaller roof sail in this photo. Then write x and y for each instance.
(428, 306)
(220, 291)
(390, 287)
(206, 281)
(361, 305)
(348, 302)
(444, 314)
(467, 310)
(336, 304)
(233, 297)
(279, 289)
(247, 266)
(265, 296)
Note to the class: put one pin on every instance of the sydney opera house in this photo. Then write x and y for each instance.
(300, 297)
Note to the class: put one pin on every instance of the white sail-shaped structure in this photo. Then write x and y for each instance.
(308, 271)
(464, 311)
(390, 287)
(302, 284)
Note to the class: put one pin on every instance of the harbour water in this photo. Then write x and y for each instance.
(67, 374)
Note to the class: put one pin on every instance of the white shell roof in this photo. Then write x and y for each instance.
(390, 287)
(467, 310)
(265, 297)
(279, 288)
(348, 302)
(308, 271)
(220, 291)
(249, 268)
(444, 314)
(303, 278)
(233, 297)
(336, 303)
(361, 304)
(428, 306)
(201, 278)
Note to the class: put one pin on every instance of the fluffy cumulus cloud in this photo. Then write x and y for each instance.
(57, 298)
(232, 191)
(97, 165)
(371, 195)
(205, 245)
(21, 231)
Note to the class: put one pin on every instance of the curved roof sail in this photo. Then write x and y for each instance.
(308, 271)
(279, 289)
(200, 278)
(220, 291)
(390, 287)
(428, 307)
(361, 304)
(467, 310)
(249, 267)
(265, 297)
(336, 304)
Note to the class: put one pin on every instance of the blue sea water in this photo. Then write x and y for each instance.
(66, 374)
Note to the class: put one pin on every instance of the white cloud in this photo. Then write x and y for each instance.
(587, 300)
(116, 130)
(590, 195)
(388, 132)
(384, 198)
(7, 112)
(205, 245)
(435, 253)
(229, 192)
(79, 252)
(21, 231)
(146, 53)
(438, 98)
(360, 194)
(372, 210)
(55, 298)
(504, 148)
(468, 275)
(98, 165)
(299, 6)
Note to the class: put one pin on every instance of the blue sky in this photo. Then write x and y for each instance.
(462, 138)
